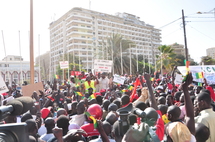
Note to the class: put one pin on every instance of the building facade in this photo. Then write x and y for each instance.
(180, 50)
(13, 68)
(80, 32)
(211, 52)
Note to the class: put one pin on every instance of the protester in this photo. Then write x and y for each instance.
(86, 108)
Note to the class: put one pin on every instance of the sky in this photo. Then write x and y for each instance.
(15, 19)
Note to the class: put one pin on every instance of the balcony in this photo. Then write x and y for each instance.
(78, 21)
(79, 33)
(78, 27)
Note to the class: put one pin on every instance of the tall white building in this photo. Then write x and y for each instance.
(80, 31)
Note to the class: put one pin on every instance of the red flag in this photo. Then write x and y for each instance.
(136, 83)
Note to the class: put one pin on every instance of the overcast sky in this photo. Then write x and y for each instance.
(15, 15)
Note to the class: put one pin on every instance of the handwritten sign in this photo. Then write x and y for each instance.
(64, 64)
(119, 79)
(103, 65)
(29, 89)
(3, 87)
(178, 79)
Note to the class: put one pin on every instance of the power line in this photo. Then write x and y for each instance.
(199, 17)
(172, 32)
(201, 32)
(170, 23)
(200, 21)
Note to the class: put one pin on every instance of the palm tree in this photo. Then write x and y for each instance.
(110, 50)
(166, 59)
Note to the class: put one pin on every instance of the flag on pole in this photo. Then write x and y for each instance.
(137, 82)
(187, 70)
(93, 96)
(124, 90)
(130, 87)
(79, 94)
(152, 79)
(56, 76)
(199, 75)
(93, 118)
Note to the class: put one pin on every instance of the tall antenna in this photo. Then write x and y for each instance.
(89, 4)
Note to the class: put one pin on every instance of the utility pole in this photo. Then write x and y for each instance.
(185, 39)
(31, 44)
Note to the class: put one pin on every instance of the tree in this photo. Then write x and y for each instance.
(142, 63)
(111, 49)
(207, 60)
(166, 59)
(180, 60)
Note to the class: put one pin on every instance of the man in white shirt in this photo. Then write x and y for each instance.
(103, 82)
(49, 124)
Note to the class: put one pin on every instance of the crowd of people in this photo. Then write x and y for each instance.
(94, 108)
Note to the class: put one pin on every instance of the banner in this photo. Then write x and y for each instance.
(3, 87)
(29, 89)
(119, 79)
(64, 64)
(208, 71)
(102, 65)
(75, 73)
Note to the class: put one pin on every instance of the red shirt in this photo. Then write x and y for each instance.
(90, 130)
(211, 92)
(160, 126)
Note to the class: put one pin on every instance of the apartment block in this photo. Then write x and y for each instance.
(180, 50)
(80, 32)
(211, 52)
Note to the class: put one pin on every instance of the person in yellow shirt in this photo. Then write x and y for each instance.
(90, 84)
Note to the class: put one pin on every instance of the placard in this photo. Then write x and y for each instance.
(119, 79)
(29, 89)
(3, 87)
(64, 64)
(178, 79)
(103, 65)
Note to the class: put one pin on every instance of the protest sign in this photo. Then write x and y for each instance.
(178, 79)
(119, 79)
(102, 65)
(64, 64)
(208, 71)
(3, 87)
(29, 89)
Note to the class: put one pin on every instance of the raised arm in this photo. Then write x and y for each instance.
(152, 100)
(188, 105)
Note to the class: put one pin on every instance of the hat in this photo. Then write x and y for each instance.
(97, 93)
(178, 132)
(45, 112)
(102, 90)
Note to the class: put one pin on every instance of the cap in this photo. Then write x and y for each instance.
(45, 112)
(102, 90)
